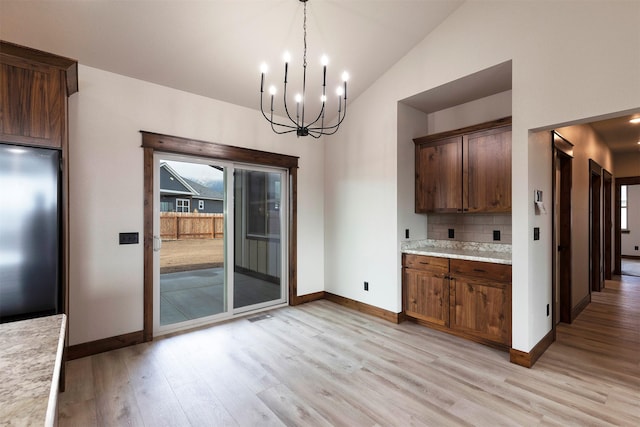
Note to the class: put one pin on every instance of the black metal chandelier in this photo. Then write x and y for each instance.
(315, 128)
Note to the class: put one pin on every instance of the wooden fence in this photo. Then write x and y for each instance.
(187, 225)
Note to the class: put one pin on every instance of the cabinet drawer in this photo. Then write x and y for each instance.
(482, 270)
(422, 262)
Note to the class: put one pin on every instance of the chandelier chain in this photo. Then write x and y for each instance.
(304, 29)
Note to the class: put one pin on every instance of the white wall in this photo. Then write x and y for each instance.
(471, 113)
(571, 61)
(411, 124)
(630, 240)
(106, 190)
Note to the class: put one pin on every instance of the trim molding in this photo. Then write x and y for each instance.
(302, 299)
(575, 311)
(527, 360)
(629, 256)
(133, 338)
(154, 142)
(106, 344)
(364, 308)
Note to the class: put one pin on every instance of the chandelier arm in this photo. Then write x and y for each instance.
(320, 114)
(334, 127)
(286, 108)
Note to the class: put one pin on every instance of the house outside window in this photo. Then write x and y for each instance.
(183, 205)
(624, 209)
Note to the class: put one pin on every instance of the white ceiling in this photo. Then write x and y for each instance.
(214, 47)
(619, 134)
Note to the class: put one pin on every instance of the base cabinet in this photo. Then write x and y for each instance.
(427, 290)
(467, 298)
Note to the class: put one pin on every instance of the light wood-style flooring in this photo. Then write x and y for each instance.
(320, 364)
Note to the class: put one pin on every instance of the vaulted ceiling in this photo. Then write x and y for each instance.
(214, 48)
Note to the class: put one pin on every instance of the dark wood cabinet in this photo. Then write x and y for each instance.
(34, 86)
(480, 295)
(439, 180)
(427, 288)
(467, 298)
(487, 164)
(466, 170)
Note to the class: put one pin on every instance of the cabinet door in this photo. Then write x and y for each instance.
(426, 296)
(487, 171)
(32, 103)
(481, 308)
(439, 176)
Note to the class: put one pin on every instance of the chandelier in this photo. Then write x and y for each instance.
(316, 128)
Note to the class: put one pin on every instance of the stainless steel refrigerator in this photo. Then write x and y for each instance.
(30, 232)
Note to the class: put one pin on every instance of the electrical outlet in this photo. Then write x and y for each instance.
(366, 286)
(636, 248)
(452, 233)
(406, 233)
(128, 238)
(496, 234)
(547, 310)
(536, 233)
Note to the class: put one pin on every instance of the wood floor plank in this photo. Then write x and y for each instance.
(323, 364)
(116, 404)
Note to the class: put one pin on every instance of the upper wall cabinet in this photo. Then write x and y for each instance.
(34, 87)
(466, 170)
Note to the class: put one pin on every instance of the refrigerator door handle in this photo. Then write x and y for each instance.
(157, 244)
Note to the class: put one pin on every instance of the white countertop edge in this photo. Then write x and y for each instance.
(50, 418)
(443, 254)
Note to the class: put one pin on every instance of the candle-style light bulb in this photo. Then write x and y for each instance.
(263, 71)
(339, 91)
(298, 99)
(324, 60)
(272, 91)
(323, 98)
(287, 58)
(345, 77)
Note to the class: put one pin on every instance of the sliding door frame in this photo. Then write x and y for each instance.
(154, 142)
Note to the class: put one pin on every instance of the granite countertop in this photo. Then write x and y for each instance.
(471, 251)
(30, 360)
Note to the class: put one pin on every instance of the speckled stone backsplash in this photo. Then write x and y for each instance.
(470, 227)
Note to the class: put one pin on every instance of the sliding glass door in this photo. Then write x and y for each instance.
(218, 230)
(259, 234)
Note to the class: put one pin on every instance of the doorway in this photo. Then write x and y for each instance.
(607, 197)
(217, 233)
(595, 229)
(623, 230)
(229, 158)
(562, 184)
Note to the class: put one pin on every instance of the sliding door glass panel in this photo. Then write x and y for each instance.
(192, 281)
(259, 238)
